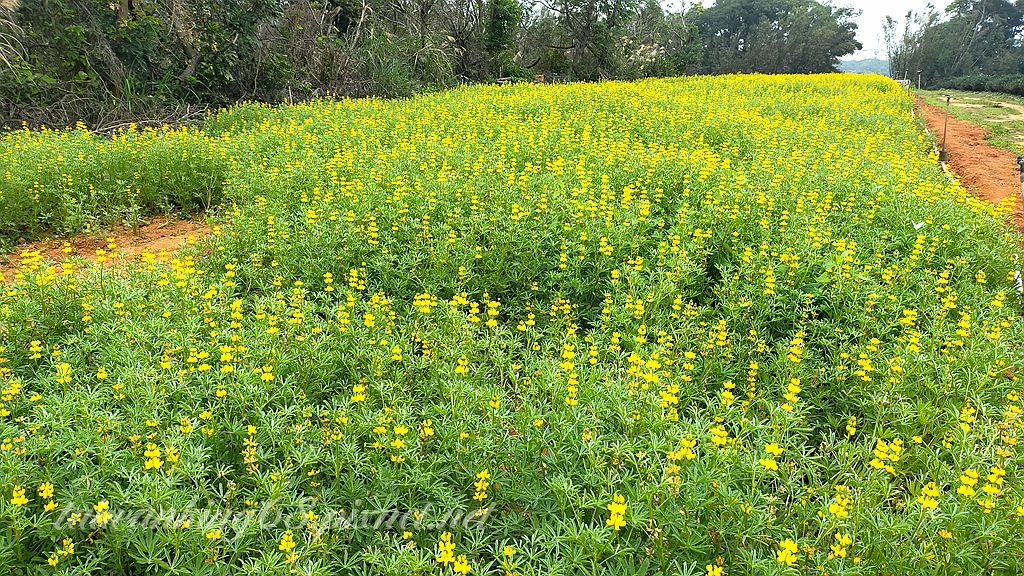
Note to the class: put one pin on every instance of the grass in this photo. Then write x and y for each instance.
(738, 324)
(989, 110)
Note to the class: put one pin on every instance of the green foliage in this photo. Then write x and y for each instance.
(975, 47)
(503, 21)
(86, 60)
(758, 36)
(73, 180)
(110, 63)
(661, 327)
(394, 68)
(1010, 84)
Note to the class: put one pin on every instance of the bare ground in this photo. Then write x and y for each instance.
(160, 233)
(989, 172)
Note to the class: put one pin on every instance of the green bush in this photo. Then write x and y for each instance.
(67, 181)
(1008, 84)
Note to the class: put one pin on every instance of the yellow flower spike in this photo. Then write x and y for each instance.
(45, 491)
(63, 373)
(928, 498)
(152, 454)
(287, 542)
(461, 565)
(103, 514)
(445, 549)
(18, 496)
(617, 509)
(462, 366)
(786, 553)
(481, 485)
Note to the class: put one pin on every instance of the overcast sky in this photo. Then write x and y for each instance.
(872, 18)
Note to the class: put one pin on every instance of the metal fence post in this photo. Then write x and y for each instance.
(943, 156)
(1020, 165)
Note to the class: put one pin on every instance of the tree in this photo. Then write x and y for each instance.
(977, 38)
(591, 31)
(988, 32)
(775, 36)
(544, 44)
(464, 27)
(659, 43)
(680, 42)
(503, 18)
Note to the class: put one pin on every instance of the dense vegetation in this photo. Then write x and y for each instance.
(976, 45)
(107, 63)
(1006, 84)
(739, 323)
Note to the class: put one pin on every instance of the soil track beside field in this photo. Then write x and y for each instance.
(991, 173)
(160, 233)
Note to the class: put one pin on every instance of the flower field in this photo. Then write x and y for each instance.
(730, 325)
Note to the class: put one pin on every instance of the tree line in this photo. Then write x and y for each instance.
(109, 61)
(974, 45)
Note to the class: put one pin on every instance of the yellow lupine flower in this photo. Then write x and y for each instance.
(786, 553)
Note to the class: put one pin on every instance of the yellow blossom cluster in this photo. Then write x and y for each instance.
(755, 307)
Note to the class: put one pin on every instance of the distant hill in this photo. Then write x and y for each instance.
(866, 66)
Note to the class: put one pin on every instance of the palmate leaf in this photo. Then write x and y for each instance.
(648, 248)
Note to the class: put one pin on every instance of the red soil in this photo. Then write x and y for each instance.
(989, 172)
(160, 233)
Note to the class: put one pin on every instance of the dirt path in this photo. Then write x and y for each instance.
(995, 104)
(160, 233)
(1012, 117)
(989, 172)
